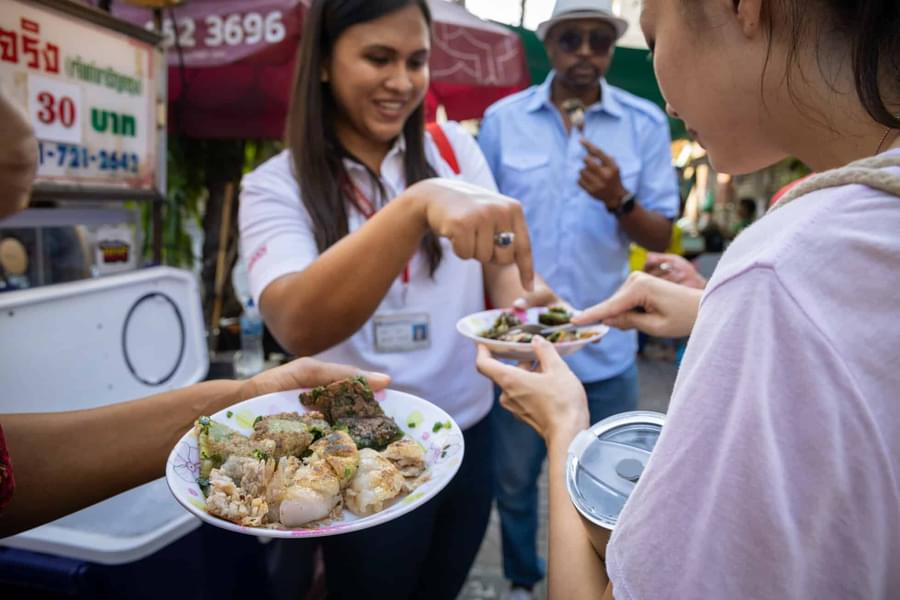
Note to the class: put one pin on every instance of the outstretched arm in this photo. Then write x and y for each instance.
(552, 401)
(66, 461)
(648, 304)
(344, 286)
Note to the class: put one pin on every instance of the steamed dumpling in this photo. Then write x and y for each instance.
(407, 455)
(377, 481)
(228, 501)
(314, 492)
(409, 458)
(339, 451)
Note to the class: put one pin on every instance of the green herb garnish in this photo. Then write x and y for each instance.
(204, 423)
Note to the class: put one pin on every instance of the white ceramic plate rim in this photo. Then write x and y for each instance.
(420, 496)
(521, 347)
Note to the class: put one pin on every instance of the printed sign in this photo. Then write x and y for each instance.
(53, 106)
(114, 250)
(91, 93)
(232, 33)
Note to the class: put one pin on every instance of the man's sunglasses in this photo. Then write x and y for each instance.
(570, 41)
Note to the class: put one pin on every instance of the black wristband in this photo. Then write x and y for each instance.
(626, 205)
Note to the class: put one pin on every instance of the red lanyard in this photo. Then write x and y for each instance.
(368, 210)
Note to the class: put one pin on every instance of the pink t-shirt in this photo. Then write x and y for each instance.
(777, 474)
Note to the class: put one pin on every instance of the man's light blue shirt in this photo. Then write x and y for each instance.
(579, 247)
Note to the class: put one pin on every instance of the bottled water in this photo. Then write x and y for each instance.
(249, 361)
(240, 281)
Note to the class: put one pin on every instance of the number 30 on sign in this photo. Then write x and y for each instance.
(55, 109)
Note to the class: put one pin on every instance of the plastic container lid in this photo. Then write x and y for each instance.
(606, 461)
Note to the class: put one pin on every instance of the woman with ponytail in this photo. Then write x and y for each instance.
(777, 474)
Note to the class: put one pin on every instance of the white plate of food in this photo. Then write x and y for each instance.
(347, 460)
(497, 329)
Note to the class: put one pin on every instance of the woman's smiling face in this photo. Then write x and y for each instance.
(378, 74)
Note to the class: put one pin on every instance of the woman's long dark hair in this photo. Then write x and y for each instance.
(872, 28)
(318, 155)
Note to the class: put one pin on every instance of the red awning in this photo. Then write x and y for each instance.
(231, 69)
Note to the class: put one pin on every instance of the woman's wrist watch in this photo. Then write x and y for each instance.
(626, 205)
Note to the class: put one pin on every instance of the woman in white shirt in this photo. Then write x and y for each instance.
(357, 253)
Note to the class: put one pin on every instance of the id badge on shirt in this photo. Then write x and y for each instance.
(405, 332)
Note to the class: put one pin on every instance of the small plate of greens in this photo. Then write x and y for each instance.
(508, 333)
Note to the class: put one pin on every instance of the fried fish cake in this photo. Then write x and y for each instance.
(346, 398)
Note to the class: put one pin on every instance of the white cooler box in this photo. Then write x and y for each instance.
(93, 343)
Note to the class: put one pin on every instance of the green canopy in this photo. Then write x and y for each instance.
(632, 70)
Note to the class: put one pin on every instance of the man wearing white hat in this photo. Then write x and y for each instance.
(592, 167)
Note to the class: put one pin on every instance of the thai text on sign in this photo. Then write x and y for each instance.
(90, 93)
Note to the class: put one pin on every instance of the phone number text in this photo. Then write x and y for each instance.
(72, 156)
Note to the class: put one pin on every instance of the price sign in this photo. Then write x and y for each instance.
(55, 109)
(91, 86)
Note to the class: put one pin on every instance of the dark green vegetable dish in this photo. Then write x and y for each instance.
(508, 327)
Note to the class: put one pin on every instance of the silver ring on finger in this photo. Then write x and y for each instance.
(504, 239)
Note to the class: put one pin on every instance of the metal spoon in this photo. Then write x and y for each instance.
(543, 330)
